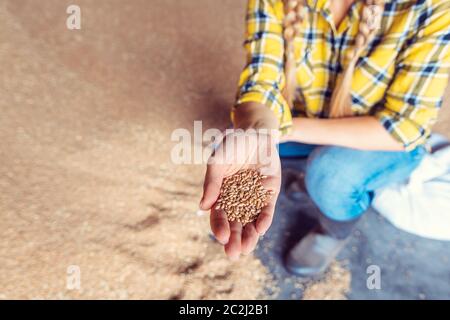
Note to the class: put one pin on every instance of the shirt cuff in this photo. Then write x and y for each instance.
(275, 102)
(404, 130)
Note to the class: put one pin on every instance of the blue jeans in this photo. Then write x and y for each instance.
(341, 181)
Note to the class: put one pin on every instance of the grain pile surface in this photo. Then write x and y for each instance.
(86, 177)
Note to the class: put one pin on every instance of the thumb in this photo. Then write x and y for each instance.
(211, 187)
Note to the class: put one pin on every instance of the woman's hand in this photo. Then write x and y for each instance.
(237, 151)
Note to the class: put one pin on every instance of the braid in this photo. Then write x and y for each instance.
(294, 15)
(368, 26)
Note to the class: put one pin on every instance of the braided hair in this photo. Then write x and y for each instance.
(369, 24)
(294, 15)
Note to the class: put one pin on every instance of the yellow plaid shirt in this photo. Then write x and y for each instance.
(400, 78)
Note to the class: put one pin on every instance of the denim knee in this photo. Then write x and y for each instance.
(333, 187)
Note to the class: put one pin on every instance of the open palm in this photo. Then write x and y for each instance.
(247, 151)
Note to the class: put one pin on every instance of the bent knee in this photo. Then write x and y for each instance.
(322, 175)
(331, 184)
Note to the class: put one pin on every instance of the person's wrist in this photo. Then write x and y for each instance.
(253, 116)
(296, 132)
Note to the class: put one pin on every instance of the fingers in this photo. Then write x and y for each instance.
(233, 247)
(249, 238)
(231, 234)
(220, 225)
(266, 216)
(265, 219)
(211, 186)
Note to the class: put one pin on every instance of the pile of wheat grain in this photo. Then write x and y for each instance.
(243, 196)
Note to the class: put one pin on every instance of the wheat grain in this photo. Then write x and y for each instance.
(243, 196)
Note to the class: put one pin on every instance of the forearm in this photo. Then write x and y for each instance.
(364, 133)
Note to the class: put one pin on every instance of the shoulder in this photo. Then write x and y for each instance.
(271, 8)
(418, 14)
(392, 6)
(438, 3)
(433, 15)
(432, 6)
(271, 3)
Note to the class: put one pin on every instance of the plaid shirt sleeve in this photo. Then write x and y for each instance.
(263, 78)
(415, 95)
